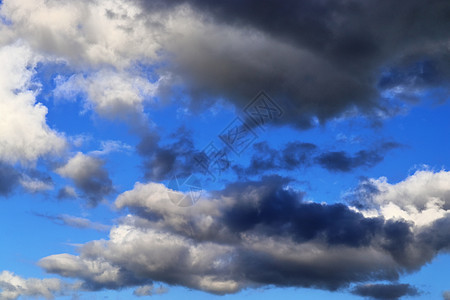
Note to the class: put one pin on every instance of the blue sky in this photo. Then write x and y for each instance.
(249, 150)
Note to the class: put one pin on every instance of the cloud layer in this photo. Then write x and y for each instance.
(363, 53)
(257, 233)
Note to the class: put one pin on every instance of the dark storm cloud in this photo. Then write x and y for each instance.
(385, 291)
(9, 178)
(281, 212)
(317, 58)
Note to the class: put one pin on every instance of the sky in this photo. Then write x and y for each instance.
(224, 150)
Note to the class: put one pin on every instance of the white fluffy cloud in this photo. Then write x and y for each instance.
(422, 198)
(111, 94)
(94, 32)
(24, 133)
(13, 287)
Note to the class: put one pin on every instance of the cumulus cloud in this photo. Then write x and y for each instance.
(13, 286)
(24, 133)
(251, 234)
(82, 32)
(88, 175)
(385, 291)
(421, 199)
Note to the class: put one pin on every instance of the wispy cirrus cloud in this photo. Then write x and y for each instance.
(74, 221)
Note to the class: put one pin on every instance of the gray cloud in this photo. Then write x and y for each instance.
(446, 295)
(88, 175)
(385, 291)
(295, 155)
(295, 49)
(252, 234)
(35, 181)
(9, 178)
(177, 158)
(66, 192)
(343, 162)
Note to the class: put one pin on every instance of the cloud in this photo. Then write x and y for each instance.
(110, 146)
(67, 192)
(76, 222)
(446, 295)
(343, 162)
(84, 33)
(252, 234)
(149, 290)
(24, 133)
(163, 161)
(13, 286)
(113, 95)
(385, 291)
(292, 50)
(421, 199)
(88, 175)
(34, 181)
(295, 155)
(9, 178)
